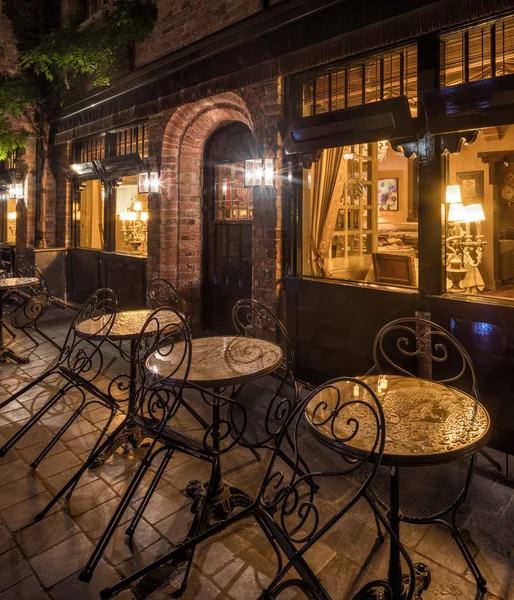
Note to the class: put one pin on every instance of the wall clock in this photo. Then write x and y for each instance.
(507, 189)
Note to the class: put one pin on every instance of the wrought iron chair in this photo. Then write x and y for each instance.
(156, 402)
(27, 315)
(162, 293)
(25, 309)
(291, 514)
(78, 364)
(418, 347)
(269, 400)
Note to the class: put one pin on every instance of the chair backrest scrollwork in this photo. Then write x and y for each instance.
(277, 393)
(332, 435)
(404, 344)
(165, 341)
(30, 311)
(26, 268)
(91, 326)
(162, 293)
(251, 318)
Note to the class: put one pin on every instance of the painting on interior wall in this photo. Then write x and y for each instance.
(471, 186)
(388, 193)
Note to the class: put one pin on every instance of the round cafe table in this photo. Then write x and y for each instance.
(6, 285)
(127, 326)
(218, 363)
(427, 423)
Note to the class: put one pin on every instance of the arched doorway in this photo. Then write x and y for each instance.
(227, 226)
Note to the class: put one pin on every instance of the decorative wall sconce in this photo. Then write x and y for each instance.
(464, 248)
(16, 191)
(134, 226)
(11, 222)
(148, 183)
(259, 172)
(4, 193)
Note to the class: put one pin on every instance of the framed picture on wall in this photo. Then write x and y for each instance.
(388, 193)
(471, 185)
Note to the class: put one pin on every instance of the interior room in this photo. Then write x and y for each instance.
(360, 212)
(483, 170)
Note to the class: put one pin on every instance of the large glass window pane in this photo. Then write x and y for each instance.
(131, 218)
(90, 216)
(359, 215)
(480, 228)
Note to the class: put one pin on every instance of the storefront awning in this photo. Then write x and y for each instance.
(386, 120)
(107, 168)
(486, 103)
(119, 166)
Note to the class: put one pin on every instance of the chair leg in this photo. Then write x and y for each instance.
(463, 547)
(75, 478)
(495, 463)
(46, 337)
(193, 412)
(151, 489)
(57, 436)
(29, 424)
(93, 450)
(9, 331)
(194, 538)
(34, 341)
(26, 389)
(87, 572)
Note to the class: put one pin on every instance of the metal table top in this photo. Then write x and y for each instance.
(127, 325)
(221, 361)
(426, 422)
(17, 282)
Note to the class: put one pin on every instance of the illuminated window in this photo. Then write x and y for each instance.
(131, 218)
(89, 149)
(479, 52)
(89, 216)
(378, 77)
(132, 140)
(232, 202)
(359, 215)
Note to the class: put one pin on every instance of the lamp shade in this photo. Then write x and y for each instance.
(475, 213)
(457, 213)
(453, 194)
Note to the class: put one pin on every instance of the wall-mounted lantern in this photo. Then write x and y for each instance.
(148, 183)
(259, 172)
(16, 191)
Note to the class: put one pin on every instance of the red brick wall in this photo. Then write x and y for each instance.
(175, 232)
(182, 22)
(8, 51)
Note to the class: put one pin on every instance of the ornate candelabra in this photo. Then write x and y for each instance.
(134, 226)
(464, 248)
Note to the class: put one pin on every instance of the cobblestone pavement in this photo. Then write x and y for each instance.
(42, 560)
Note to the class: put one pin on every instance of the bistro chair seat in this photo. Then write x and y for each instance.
(78, 364)
(290, 511)
(418, 347)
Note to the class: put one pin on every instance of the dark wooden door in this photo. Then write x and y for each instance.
(227, 227)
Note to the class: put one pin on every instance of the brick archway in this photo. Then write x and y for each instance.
(175, 244)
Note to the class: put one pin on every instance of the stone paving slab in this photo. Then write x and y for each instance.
(42, 560)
